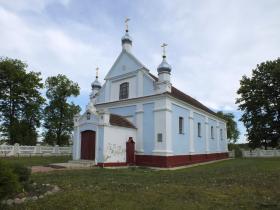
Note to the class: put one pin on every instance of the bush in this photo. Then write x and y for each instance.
(22, 172)
(9, 183)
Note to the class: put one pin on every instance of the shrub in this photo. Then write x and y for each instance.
(8, 181)
(22, 172)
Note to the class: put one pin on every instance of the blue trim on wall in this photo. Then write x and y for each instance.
(125, 111)
(148, 128)
(148, 86)
(180, 142)
(199, 142)
(212, 142)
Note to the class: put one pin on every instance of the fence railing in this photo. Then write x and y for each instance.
(38, 150)
(261, 153)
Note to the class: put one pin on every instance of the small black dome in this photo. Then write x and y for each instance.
(164, 66)
(96, 84)
(126, 38)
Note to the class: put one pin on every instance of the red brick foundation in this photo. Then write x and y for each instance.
(178, 160)
(111, 164)
(169, 161)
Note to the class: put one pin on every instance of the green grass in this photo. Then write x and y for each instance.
(35, 161)
(233, 184)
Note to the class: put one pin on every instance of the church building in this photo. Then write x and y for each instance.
(137, 118)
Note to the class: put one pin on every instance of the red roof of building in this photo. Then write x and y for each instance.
(186, 98)
(118, 120)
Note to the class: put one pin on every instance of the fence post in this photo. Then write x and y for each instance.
(275, 152)
(56, 149)
(38, 149)
(243, 153)
(16, 149)
(259, 153)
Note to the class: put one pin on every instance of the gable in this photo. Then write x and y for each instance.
(124, 64)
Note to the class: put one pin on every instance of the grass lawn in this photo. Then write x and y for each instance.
(35, 161)
(233, 184)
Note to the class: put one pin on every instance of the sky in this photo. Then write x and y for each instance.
(211, 44)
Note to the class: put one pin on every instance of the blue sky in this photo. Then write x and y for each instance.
(211, 44)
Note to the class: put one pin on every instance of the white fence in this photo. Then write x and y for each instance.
(38, 150)
(261, 153)
(231, 154)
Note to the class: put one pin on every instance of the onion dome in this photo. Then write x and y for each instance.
(164, 66)
(126, 38)
(96, 84)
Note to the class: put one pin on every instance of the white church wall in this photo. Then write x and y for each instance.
(197, 145)
(223, 140)
(114, 144)
(162, 125)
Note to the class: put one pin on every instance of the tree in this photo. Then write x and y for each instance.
(232, 130)
(20, 102)
(260, 101)
(58, 114)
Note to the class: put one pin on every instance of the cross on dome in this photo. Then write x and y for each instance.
(164, 67)
(126, 23)
(97, 69)
(163, 49)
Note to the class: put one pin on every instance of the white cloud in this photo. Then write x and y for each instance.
(49, 49)
(30, 5)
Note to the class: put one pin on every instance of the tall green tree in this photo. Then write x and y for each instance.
(59, 113)
(232, 130)
(20, 102)
(260, 101)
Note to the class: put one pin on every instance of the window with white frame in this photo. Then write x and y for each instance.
(124, 90)
(159, 137)
(199, 129)
(181, 125)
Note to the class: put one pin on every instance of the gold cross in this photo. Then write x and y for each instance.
(163, 48)
(97, 72)
(126, 23)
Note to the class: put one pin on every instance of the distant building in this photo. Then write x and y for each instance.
(135, 110)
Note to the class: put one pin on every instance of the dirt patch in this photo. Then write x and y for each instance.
(44, 169)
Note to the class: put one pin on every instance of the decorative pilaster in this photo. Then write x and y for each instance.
(218, 137)
(108, 91)
(207, 135)
(139, 125)
(191, 137)
(140, 83)
(163, 114)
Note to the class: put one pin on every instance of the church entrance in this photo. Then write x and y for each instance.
(88, 145)
(130, 151)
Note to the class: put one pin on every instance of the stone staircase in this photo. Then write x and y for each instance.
(74, 164)
(83, 163)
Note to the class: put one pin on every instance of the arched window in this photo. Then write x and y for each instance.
(199, 129)
(181, 125)
(212, 132)
(221, 134)
(124, 90)
(88, 115)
